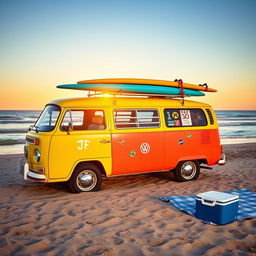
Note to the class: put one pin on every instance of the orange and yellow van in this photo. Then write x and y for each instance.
(81, 140)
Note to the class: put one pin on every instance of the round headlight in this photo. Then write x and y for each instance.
(37, 155)
(26, 151)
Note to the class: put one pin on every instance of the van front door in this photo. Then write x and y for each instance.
(83, 135)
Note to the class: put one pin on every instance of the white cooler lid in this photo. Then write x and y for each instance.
(217, 196)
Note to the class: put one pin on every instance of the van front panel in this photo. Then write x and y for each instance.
(38, 142)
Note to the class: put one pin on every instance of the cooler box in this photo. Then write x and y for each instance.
(217, 207)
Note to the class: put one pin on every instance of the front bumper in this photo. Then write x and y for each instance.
(222, 160)
(35, 176)
(23, 169)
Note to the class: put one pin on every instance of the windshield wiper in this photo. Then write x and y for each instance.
(36, 128)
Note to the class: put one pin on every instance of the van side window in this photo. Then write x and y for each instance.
(136, 118)
(83, 120)
(184, 117)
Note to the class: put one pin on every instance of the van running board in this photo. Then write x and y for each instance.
(206, 167)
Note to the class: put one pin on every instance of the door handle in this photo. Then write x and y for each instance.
(105, 141)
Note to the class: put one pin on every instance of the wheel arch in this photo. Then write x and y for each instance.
(200, 160)
(97, 163)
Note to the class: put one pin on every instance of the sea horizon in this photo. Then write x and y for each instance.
(235, 127)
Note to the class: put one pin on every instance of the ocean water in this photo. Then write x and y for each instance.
(13, 128)
(235, 127)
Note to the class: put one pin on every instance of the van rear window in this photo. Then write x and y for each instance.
(184, 117)
(136, 118)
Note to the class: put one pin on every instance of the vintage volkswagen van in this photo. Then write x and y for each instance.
(80, 140)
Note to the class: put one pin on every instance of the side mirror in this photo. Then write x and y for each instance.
(70, 127)
(70, 123)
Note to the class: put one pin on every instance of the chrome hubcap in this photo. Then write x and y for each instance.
(188, 170)
(86, 180)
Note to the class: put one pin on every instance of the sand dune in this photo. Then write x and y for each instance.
(125, 217)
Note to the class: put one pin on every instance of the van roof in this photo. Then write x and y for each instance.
(124, 102)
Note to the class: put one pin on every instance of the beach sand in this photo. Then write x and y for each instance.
(125, 217)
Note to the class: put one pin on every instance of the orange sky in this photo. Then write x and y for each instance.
(32, 93)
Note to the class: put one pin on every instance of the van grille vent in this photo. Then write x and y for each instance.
(30, 140)
(210, 116)
(205, 137)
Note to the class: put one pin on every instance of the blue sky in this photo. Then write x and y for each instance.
(45, 43)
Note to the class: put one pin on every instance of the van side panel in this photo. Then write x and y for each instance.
(135, 152)
(191, 145)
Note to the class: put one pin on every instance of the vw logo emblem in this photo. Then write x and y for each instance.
(144, 148)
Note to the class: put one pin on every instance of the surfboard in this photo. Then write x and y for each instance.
(132, 88)
(147, 82)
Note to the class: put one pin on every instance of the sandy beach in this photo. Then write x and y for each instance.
(125, 217)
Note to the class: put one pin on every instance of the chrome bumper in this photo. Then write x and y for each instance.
(222, 160)
(35, 176)
(23, 169)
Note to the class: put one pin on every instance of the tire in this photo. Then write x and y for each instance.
(85, 178)
(187, 170)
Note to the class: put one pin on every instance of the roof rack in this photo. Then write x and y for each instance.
(135, 95)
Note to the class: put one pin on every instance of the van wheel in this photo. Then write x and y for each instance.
(187, 170)
(85, 178)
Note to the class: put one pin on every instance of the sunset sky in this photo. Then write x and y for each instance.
(50, 42)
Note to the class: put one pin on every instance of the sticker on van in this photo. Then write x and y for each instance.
(185, 117)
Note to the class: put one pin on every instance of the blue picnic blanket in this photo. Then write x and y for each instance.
(246, 207)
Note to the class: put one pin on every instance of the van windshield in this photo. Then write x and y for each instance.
(47, 119)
